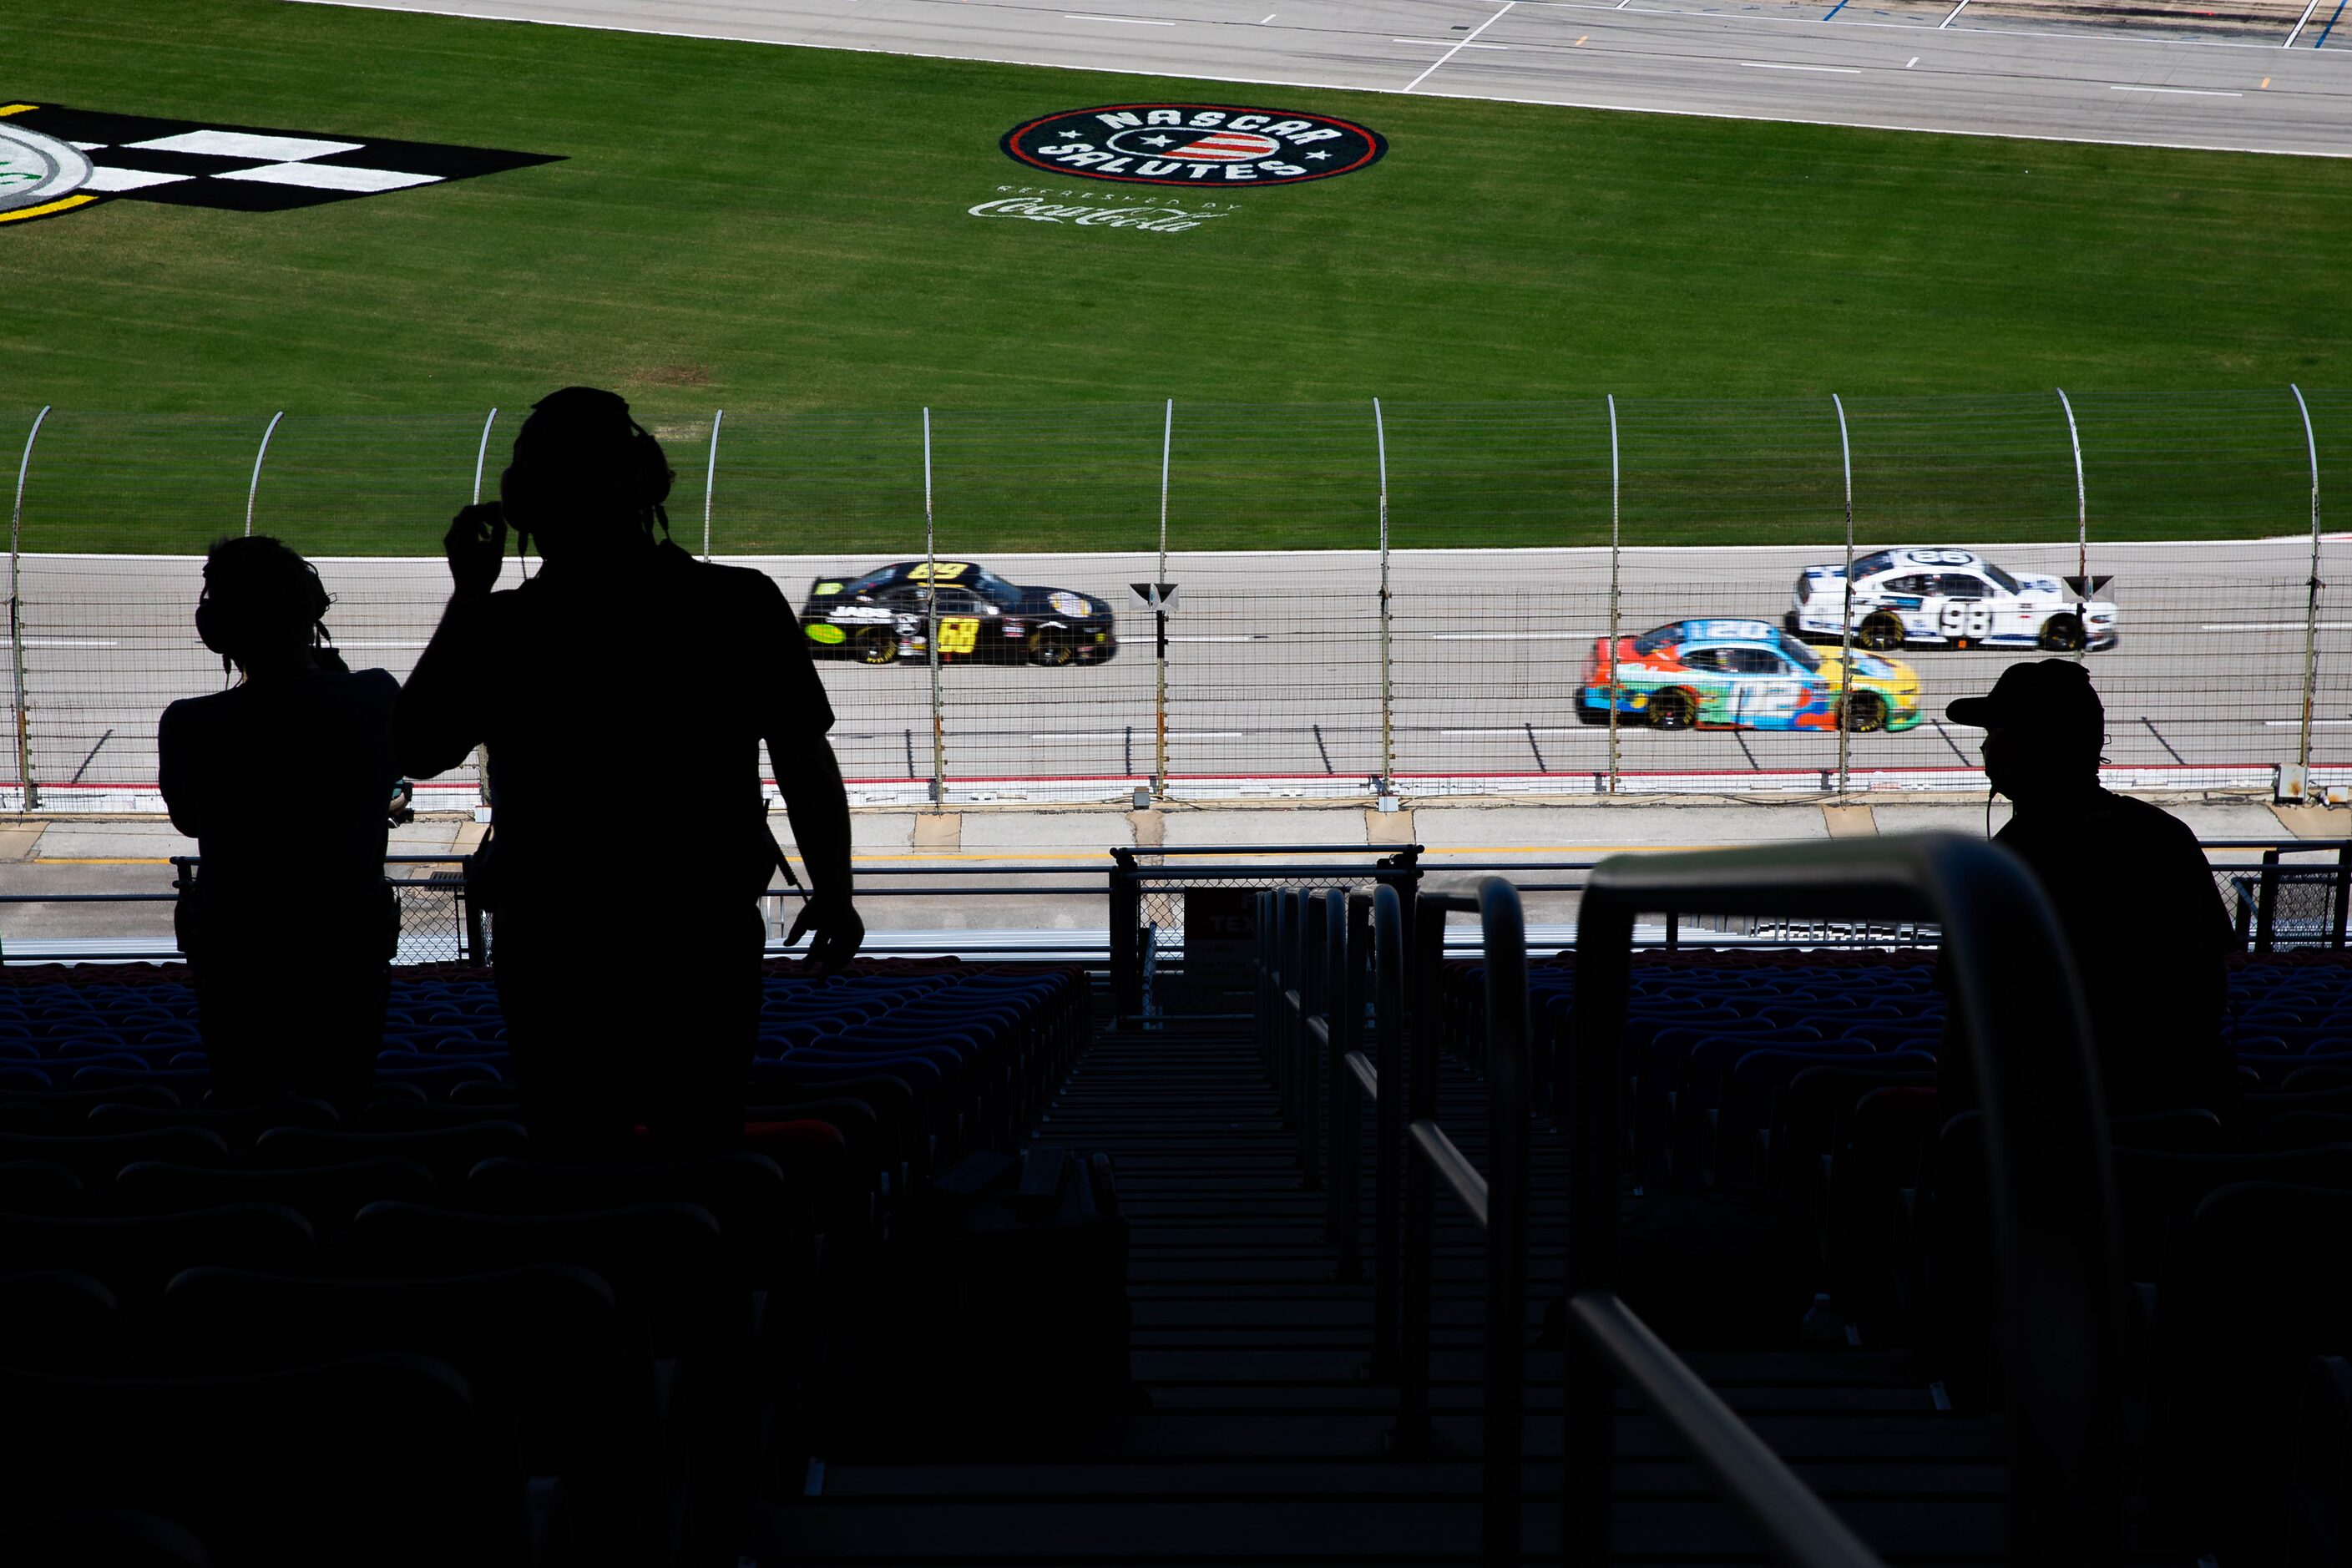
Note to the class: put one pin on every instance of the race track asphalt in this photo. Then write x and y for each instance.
(1275, 662)
(2179, 76)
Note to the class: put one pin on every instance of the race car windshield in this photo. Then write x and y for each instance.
(1806, 657)
(2008, 584)
(878, 577)
(989, 584)
(1664, 637)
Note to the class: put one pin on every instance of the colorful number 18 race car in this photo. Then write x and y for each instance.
(886, 615)
(1953, 598)
(1743, 675)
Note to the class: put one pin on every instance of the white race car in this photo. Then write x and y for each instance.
(1953, 598)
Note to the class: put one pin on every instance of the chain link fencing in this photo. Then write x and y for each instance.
(1373, 596)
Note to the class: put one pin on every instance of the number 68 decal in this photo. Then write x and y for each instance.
(960, 633)
(1962, 619)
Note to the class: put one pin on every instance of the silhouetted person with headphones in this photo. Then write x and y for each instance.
(2133, 893)
(284, 780)
(629, 972)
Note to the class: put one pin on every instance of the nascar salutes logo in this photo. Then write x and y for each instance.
(56, 159)
(1194, 144)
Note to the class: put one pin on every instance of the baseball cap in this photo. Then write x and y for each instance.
(2047, 694)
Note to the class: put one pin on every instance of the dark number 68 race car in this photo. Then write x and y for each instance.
(886, 615)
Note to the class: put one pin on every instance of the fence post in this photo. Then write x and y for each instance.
(2082, 533)
(1159, 693)
(481, 754)
(932, 635)
(2311, 605)
(1388, 686)
(710, 478)
(1615, 493)
(1846, 631)
(253, 490)
(30, 791)
(1125, 963)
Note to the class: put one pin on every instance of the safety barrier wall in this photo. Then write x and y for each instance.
(1372, 598)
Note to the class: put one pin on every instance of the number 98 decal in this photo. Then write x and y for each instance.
(1959, 618)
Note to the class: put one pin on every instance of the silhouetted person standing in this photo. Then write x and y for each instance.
(284, 781)
(2133, 894)
(627, 673)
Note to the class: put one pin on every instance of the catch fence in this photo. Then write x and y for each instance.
(1374, 598)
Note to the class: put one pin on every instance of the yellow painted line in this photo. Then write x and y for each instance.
(1580, 43)
(63, 205)
(17, 107)
(2267, 81)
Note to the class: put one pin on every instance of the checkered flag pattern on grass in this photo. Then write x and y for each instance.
(243, 168)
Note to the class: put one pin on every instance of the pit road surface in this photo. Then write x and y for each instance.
(1275, 662)
(2049, 71)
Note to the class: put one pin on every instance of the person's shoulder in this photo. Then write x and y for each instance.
(2146, 819)
(736, 584)
(191, 711)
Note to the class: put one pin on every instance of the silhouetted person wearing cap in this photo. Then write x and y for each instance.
(284, 781)
(626, 675)
(2132, 891)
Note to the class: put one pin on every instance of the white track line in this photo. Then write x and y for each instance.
(1953, 17)
(1776, 65)
(2300, 23)
(2186, 91)
(1446, 43)
(1460, 47)
(417, 7)
(1131, 21)
(2272, 626)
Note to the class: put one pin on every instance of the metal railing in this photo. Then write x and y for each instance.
(1496, 1201)
(2061, 1320)
(1151, 910)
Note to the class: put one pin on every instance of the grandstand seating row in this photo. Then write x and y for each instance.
(1804, 1085)
(556, 1363)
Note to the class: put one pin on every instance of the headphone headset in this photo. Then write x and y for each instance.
(218, 627)
(536, 488)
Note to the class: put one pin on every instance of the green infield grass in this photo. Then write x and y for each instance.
(785, 234)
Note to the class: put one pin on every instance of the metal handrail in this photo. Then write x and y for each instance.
(1496, 1201)
(1795, 1524)
(2061, 1318)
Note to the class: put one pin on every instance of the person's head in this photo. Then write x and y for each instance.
(263, 606)
(2044, 728)
(585, 477)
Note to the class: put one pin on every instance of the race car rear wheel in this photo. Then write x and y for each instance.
(1051, 649)
(1672, 709)
(875, 644)
(2061, 634)
(1866, 711)
(1881, 633)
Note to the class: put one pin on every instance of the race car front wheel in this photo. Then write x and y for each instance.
(1672, 710)
(876, 645)
(1880, 634)
(1865, 712)
(2061, 634)
(1053, 650)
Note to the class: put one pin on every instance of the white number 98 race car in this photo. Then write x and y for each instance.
(1953, 598)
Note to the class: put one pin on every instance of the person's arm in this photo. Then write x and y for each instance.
(818, 804)
(797, 715)
(176, 776)
(435, 722)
